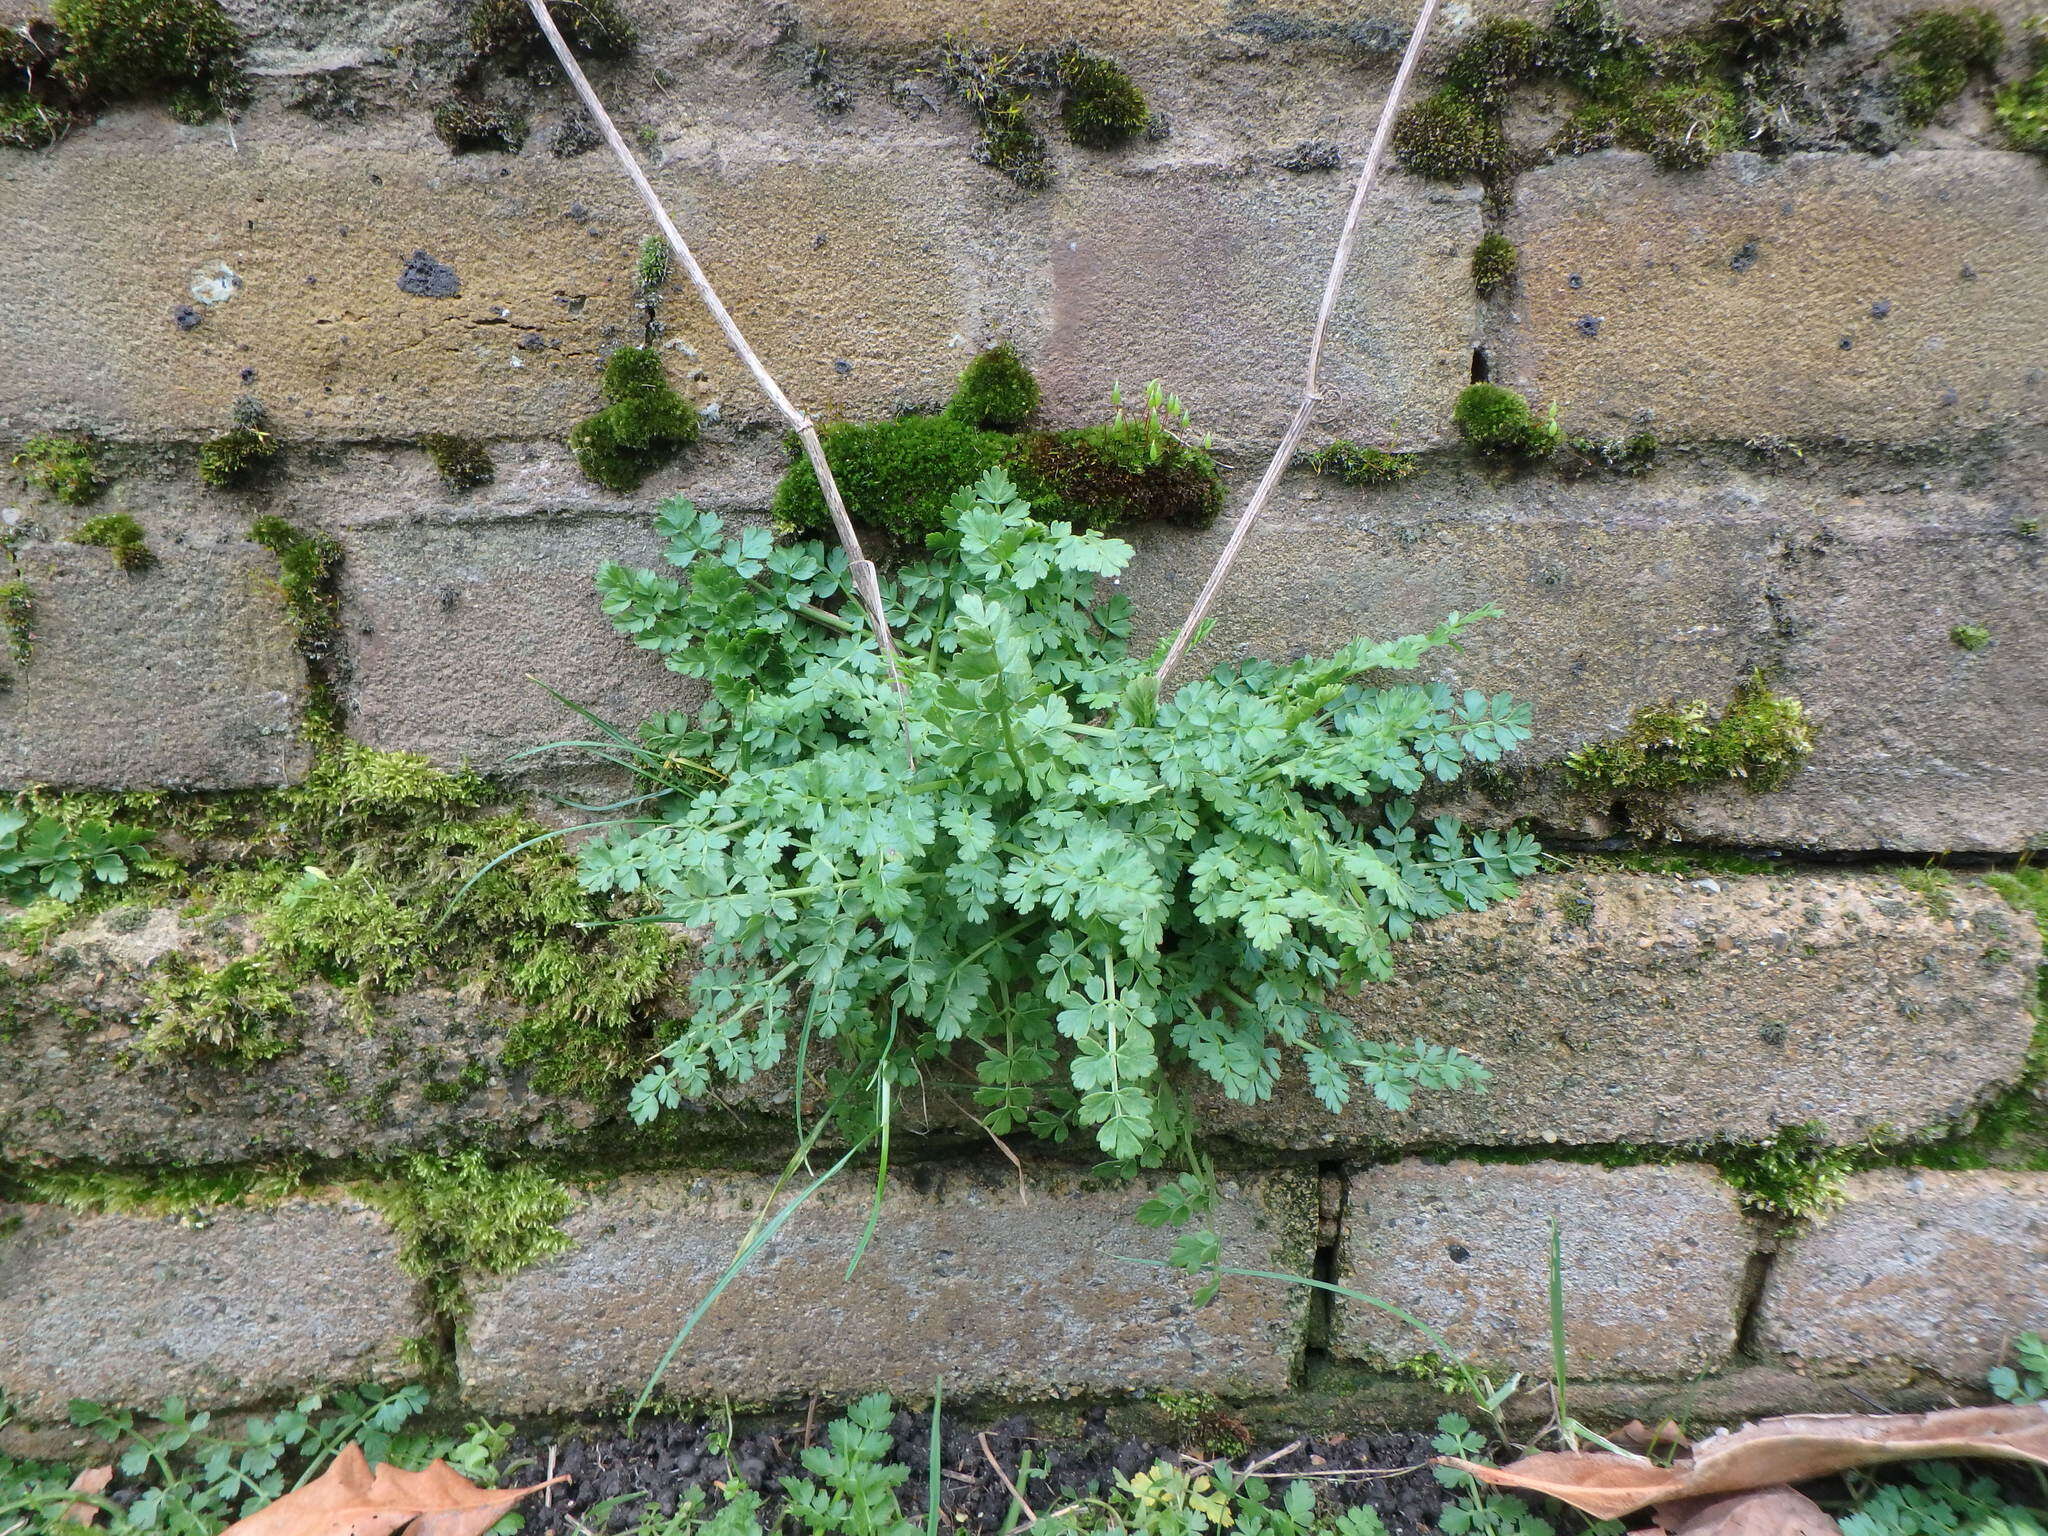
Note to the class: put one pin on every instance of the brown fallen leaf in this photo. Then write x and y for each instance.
(349, 1499)
(1778, 1511)
(91, 1480)
(1774, 1451)
(1635, 1435)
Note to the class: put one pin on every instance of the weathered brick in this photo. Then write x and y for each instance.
(1614, 1007)
(1936, 1271)
(1654, 1261)
(227, 1307)
(182, 676)
(427, 1070)
(1828, 295)
(1618, 595)
(967, 1278)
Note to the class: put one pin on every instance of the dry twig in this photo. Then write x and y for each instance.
(1310, 392)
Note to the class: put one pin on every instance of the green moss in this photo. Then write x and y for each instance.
(1448, 136)
(65, 465)
(1500, 53)
(463, 462)
(1355, 464)
(898, 475)
(241, 454)
(1971, 637)
(306, 563)
(1494, 263)
(504, 31)
(995, 392)
(1117, 472)
(642, 425)
(2021, 106)
(1102, 106)
(995, 87)
(157, 1192)
(1770, 28)
(186, 51)
(1688, 862)
(1681, 125)
(18, 619)
(236, 1012)
(1498, 421)
(471, 124)
(459, 1216)
(1934, 55)
(1759, 741)
(651, 269)
(26, 123)
(121, 534)
(1796, 1173)
(1935, 887)
(1633, 455)
(1205, 1424)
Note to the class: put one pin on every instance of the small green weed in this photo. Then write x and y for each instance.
(41, 856)
(1970, 637)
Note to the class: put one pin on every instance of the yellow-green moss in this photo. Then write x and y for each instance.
(306, 563)
(186, 51)
(1449, 136)
(505, 32)
(157, 1192)
(1498, 421)
(460, 1216)
(1102, 106)
(474, 124)
(1971, 637)
(1116, 472)
(239, 1011)
(243, 453)
(2021, 106)
(1633, 455)
(995, 86)
(1934, 54)
(1494, 263)
(643, 424)
(462, 462)
(18, 619)
(995, 392)
(1759, 740)
(1355, 464)
(64, 464)
(119, 534)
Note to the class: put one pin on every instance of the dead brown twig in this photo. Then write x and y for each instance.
(1004, 1477)
(863, 569)
(1310, 392)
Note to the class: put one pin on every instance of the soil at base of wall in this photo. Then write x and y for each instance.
(665, 1459)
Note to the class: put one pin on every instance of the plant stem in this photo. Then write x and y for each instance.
(864, 579)
(1311, 393)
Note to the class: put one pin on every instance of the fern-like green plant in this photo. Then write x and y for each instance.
(1030, 874)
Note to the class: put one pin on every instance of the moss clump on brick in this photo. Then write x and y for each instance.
(2021, 106)
(462, 462)
(121, 535)
(476, 124)
(1633, 455)
(898, 475)
(995, 86)
(1102, 106)
(1762, 29)
(237, 457)
(643, 424)
(236, 1012)
(1795, 1174)
(1934, 54)
(18, 619)
(1117, 472)
(996, 392)
(186, 51)
(159, 1192)
(305, 574)
(64, 464)
(1447, 136)
(651, 269)
(505, 32)
(1497, 421)
(1971, 637)
(1494, 263)
(1355, 464)
(458, 1216)
(1759, 740)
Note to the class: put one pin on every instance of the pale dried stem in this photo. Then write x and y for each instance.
(863, 569)
(1311, 393)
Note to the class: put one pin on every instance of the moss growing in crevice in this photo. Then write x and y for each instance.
(65, 465)
(462, 462)
(1763, 29)
(2021, 106)
(306, 564)
(119, 534)
(460, 1216)
(642, 425)
(1101, 107)
(475, 124)
(241, 455)
(1498, 422)
(1355, 464)
(18, 619)
(1631, 456)
(899, 475)
(1759, 741)
(1934, 55)
(239, 1012)
(1448, 136)
(156, 1192)
(504, 32)
(996, 392)
(1494, 263)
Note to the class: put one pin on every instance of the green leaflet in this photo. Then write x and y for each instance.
(1081, 890)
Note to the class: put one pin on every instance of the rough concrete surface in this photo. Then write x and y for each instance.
(221, 1307)
(182, 676)
(1938, 1271)
(1822, 294)
(1009, 1292)
(1619, 1007)
(1654, 1263)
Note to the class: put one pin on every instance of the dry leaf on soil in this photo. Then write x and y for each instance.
(1778, 1511)
(91, 1480)
(1774, 1451)
(349, 1499)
